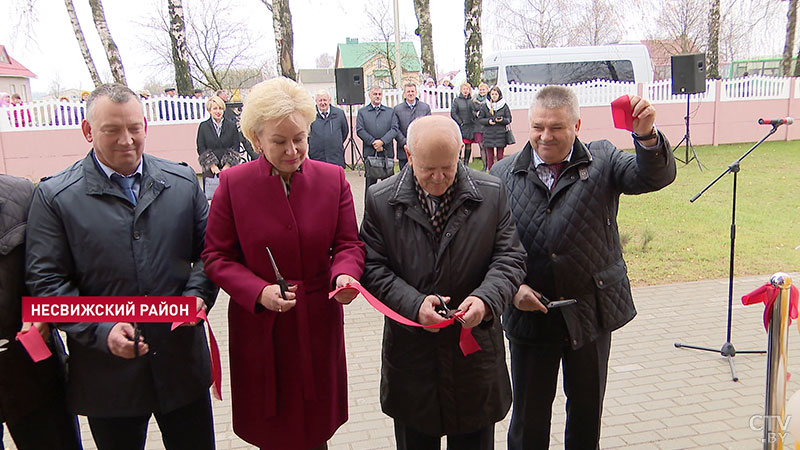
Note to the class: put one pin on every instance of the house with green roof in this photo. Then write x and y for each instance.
(378, 59)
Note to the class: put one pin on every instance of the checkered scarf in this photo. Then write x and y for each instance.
(438, 218)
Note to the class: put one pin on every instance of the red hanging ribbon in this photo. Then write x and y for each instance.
(466, 341)
(34, 344)
(767, 294)
(216, 368)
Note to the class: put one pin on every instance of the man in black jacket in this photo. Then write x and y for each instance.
(328, 132)
(376, 126)
(406, 112)
(32, 400)
(123, 223)
(564, 195)
(441, 232)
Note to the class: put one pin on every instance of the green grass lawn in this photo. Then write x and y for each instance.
(668, 239)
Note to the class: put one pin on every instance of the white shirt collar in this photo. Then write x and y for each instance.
(538, 161)
(109, 171)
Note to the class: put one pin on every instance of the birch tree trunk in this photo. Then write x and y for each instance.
(712, 69)
(422, 8)
(473, 46)
(788, 47)
(87, 57)
(112, 52)
(284, 36)
(180, 50)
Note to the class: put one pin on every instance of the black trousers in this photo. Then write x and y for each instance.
(49, 427)
(408, 438)
(534, 375)
(187, 428)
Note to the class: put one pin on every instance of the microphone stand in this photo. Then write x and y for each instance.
(728, 350)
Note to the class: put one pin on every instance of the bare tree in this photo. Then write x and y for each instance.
(87, 57)
(473, 41)
(788, 47)
(532, 23)
(180, 50)
(683, 21)
(598, 23)
(284, 35)
(112, 52)
(381, 32)
(712, 49)
(422, 8)
(324, 61)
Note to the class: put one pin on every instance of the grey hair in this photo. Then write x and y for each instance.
(322, 92)
(554, 97)
(117, 93)
(411, 133)
(375, 87)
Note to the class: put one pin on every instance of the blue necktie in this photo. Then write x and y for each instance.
(126, 184)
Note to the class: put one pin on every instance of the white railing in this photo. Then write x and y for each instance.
(755, 87)
(170, 110)
(54, 115)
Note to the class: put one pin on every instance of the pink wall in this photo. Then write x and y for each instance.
(38, 153)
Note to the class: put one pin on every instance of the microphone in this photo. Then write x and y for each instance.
(776, 122)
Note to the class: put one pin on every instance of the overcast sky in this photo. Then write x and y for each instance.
(319, 25)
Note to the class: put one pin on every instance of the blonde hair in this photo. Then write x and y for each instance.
(466, 83)
(215, 100)
(273, 99)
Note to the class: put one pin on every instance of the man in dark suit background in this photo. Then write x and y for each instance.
(406, 112)
(328, 132)
(376, 126)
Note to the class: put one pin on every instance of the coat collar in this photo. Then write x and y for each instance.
(580, 154)
(98, 183)
(403, 191)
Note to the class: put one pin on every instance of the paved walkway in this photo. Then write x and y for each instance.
(658, 397)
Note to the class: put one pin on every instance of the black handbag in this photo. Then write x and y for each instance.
(379, 167)
(510, 136)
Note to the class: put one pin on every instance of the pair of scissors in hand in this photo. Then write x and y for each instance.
(446, 312)
(278, 278)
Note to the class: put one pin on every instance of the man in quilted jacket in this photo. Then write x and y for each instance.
(564, 195)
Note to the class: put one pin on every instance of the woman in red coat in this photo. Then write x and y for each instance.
(288, 373)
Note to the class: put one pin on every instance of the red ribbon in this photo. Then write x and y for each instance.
(466, 341)
(767, 294)
(216, 368)
(34, 344)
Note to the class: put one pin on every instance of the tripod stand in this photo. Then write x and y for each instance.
(355, 154)
(687, 140)
(728, 350)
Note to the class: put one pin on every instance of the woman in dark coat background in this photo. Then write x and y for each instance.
(217, 140)
(495, 116)
(464, 112)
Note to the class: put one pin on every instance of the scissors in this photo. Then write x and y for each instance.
(550, 304)
(3, 343)
(446, 312)
(137, 336)
(278, 278)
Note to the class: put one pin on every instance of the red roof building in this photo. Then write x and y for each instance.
(14, 77)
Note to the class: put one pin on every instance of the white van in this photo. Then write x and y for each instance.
(568, 65)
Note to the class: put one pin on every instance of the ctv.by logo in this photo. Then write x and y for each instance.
(757, 424)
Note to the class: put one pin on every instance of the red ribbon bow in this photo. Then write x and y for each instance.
(767, 294)
(466, 341)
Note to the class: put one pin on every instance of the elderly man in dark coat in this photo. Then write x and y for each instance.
(123, 223)
(328, 132)
(406, 112)
(31, 394)
(376, 126)
(440, 232)
(565, 196)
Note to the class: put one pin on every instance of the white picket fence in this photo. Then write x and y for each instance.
(42, 115)
(54, 115)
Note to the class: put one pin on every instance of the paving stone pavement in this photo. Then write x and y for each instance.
(658, 396)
